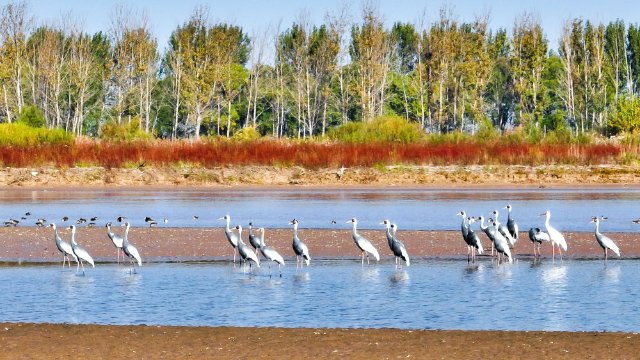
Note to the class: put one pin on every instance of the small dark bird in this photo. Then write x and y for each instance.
(81, 221)
(150, 221)
(636, 221)
(40, 222)
(120, 218)
(23, 218)
(333, 222)
(65, 218)
(195, 217)
(94, 218)
(91, 224)
(14, 221)
(27, 214)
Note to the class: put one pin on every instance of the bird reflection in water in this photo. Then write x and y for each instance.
(399, 277)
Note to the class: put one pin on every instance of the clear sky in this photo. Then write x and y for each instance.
(255, 15)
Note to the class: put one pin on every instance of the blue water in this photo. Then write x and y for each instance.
(431, 294)
(426, 209)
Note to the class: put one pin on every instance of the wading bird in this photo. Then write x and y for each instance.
(604, 241)
(299, 248)
(537, 236)
(253, 239)
(503, 230)
(130, 250)
(231, 236)
(79, 251)
(555, 236)
(512, 225)
(63, 246)
(474, 240)
(116, 240)
(245, 252)
(362, 243)
(270, 253)
(501, 242)
(396, 246)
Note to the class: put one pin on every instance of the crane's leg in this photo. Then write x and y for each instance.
(82, 267)
(280, 269)
(468, 255)
(492, 248)
(605, 254)
(63, 257)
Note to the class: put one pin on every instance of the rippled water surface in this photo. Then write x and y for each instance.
(431, 294)
(431, 209)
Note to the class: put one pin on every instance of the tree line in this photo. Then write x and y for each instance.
(214, 79)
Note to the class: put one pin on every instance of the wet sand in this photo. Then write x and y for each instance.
(47, 341)
(158, 244)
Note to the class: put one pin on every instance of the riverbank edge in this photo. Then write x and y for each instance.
(260, 176)
(39, 341)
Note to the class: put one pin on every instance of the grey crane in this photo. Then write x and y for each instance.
(604, 241)
(465, 235)
(116, 240)
(253, 239)
(130, 250)
(501, 242)
(363, 243)
(512, 225)
(231, 236)
(537, 236)
(63, 246)
(396, 246)
(79, 251)
(474, 240)
(270, 253)
(299, 248)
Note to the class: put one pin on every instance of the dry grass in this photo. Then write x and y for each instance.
(307, 154)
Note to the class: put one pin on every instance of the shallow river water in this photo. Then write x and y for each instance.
(431, 294)
(426, 209)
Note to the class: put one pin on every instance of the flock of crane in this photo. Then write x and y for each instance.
(502, 236)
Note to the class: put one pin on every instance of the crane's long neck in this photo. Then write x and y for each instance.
(389, 235)
(508, 214)
(125, 238)
(228, 223)
(295, 229)
(546, 222)
(109, 232)
(262, 239)
(73, 237)
(56, 237)
(482, 227)
(597, 227)
(354, 231)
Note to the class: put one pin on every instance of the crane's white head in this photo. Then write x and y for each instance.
(508, 207)
(72, 228)
(462, 213)
(53, 225)
(393, 227)
(294, 221)
(496, 213)
(239, 228)
(471, 219)
(353, 221)
(546, 213)
(594, 219)
(226, 217)
(386, 223)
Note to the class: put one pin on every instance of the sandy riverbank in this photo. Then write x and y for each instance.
(472, 175)
(47, 341)
(31, 244)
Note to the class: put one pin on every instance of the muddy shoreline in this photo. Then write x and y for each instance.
(432, 176)
(43, 341)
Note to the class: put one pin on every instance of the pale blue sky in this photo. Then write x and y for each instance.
(255, 15)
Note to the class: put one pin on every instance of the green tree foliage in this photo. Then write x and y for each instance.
(392, 129)
(31, 116)
(626, 115)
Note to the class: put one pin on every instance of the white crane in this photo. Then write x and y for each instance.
(557, 239)
(231, 236)
(129, 249)
(363, 244)
(116, 240)
(244, 250)
(63, 246)
(79, 251)
(270, 253)
(604, 241)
